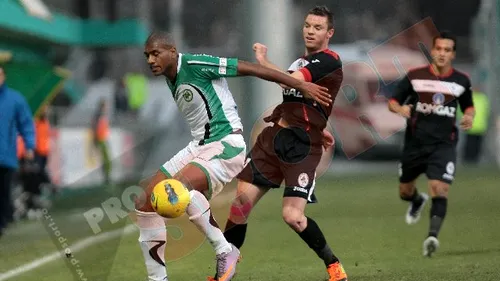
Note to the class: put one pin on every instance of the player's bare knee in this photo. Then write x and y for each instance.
(406, 190)
(440, 189)
(240, 201)
(294, 217)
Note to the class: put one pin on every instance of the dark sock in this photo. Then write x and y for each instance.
(438, 212)
(416, 200)
(315, 239)
(235, 233)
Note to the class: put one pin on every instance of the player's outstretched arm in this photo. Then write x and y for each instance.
(310, 90)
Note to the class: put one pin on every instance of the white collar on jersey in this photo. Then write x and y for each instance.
(179, 62)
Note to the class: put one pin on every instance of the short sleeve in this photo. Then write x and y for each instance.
(211, 67)
(321, 65)
(465, 100)
(402, 90)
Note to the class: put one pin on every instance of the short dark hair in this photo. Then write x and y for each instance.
(323, 11)
(161, 37)
(446, 35)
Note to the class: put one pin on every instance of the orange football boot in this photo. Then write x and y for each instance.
(336, 272)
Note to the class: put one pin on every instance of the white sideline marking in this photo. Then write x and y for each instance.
(80, 245)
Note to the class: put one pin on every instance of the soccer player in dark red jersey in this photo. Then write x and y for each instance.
(429, 98)
(291, 148)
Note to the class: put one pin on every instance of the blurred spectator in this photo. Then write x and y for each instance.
(33, 174)
(100, 129)
(42, 148)
(136, 86)
(475, 136)
(121, 97)
(15, 117)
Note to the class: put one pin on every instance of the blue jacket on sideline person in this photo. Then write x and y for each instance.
(15, 117)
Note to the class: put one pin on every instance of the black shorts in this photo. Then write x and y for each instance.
(283, 154)
(436, 161)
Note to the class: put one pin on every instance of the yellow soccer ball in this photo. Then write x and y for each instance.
(170, 198)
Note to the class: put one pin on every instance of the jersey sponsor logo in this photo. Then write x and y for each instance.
(223, 66)
(436, 109)
(437, 86)
(303, 180)
(222, 70)
(292, 92)
(315, 61)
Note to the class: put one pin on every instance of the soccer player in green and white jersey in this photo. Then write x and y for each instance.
(217, 153)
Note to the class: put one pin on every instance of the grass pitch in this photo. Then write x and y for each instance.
(362, 218)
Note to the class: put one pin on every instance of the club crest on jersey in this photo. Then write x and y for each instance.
(187, 95)
(438, 98)
(292, 92)
(303, 180)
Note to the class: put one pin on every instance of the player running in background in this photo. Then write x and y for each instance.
(217, 153)
(291, 149)
(434, 93)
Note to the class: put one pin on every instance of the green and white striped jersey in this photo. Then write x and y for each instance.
(203, 96)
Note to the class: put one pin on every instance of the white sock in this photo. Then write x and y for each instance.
(152, 239)
(199, 213)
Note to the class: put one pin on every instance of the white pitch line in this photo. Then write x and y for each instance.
(80, 245)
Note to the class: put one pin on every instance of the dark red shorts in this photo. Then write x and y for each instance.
(283, 154)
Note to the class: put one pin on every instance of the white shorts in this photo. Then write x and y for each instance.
(221, 161)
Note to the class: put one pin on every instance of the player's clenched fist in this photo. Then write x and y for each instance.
(260, 51)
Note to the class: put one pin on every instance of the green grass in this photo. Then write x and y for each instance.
(362, 218)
